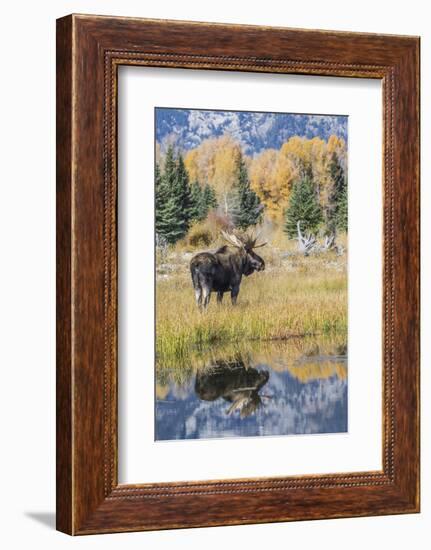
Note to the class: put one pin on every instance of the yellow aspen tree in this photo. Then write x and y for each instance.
(191, 164)
(262, 174)
(214, 162)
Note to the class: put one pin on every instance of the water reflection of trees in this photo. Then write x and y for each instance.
(276, 389)
(319, 406)
(306, 359)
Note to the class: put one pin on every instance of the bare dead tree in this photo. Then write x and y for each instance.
(328, 243)
(306, 243)
(339, 249)
(161, 245)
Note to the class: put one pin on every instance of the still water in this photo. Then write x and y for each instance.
(294, 388)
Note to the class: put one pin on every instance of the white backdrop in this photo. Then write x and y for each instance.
(27, 218)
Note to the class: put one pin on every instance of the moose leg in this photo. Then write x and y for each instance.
(197, 285)
(219, 297)
(234, 294)
(206, 295)
(198, 296)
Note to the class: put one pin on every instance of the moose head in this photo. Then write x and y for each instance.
(246, 244)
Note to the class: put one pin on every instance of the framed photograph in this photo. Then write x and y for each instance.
(237, 274)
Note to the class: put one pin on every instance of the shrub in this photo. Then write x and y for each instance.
(216, 221)
(199, 235)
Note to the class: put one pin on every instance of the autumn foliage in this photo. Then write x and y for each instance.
(274, 173)
(265, 183)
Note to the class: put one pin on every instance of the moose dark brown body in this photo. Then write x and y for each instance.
(221, 271)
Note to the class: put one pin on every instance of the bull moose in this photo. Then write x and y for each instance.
(221, 271)
(235, 383)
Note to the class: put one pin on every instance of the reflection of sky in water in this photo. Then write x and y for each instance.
(288, 406)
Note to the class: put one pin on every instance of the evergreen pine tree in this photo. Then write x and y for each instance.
(341, 218)
(201, 201)
(196, 202)
(157, 177)
(303, 207)
(170, 168)
(173, 202)
(337, 197)
(183, 191)
(160, 191)
(170, 225)
(209, 198)
(249, 208)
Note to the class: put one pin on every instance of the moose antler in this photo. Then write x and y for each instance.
(259, 245)
(254, 241)
(232, 239)
(246, 241)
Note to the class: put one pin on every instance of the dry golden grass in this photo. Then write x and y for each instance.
(295, 296)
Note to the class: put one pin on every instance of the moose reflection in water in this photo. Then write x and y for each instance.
(233, 382)
(283, 389)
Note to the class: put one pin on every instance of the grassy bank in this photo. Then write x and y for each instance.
(295, 296)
